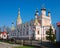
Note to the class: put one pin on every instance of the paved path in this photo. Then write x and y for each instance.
(7, 45)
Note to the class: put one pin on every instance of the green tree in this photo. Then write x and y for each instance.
(50, 35)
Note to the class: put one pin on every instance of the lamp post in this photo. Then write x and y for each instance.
(17, 32)
(22, 37)
(29, 32)
(41, 35)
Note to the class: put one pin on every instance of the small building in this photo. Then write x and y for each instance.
(3, 35)
(58, 32)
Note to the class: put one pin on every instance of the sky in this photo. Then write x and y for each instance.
(9, 10)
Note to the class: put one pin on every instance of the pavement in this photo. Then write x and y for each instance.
(7, 45)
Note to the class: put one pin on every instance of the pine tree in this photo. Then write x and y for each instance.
(50, 36)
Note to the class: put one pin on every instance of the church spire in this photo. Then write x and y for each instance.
(19, 12)
(19, 21)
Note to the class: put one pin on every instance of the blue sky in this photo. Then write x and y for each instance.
(9, 10)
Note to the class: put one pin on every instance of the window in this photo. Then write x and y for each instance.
(34, 27)
(4, 35)
(27, 33)
(38, 32)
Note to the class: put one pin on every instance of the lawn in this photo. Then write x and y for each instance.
(24, 47)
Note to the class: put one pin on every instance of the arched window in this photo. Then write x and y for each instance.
(38, 32)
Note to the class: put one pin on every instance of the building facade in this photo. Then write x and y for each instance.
(58, 32)
(35, 29)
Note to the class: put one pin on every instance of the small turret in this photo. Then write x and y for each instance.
(49, 13)
(43, 11)
(37, 13)
(12, 28)
(36, 17)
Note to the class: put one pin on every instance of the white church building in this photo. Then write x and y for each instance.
(35, 29)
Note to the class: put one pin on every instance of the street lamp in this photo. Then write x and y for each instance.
(22, 37)
(17, 33)
(41, 34)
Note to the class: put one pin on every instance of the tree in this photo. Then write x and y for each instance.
(50, 35)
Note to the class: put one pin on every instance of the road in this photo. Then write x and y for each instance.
(7, 45)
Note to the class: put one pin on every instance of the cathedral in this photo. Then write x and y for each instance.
(35, 29)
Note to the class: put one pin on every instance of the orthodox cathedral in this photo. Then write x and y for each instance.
(35, 29)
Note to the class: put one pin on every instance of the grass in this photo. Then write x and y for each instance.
(7, 41)
(24, 47)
